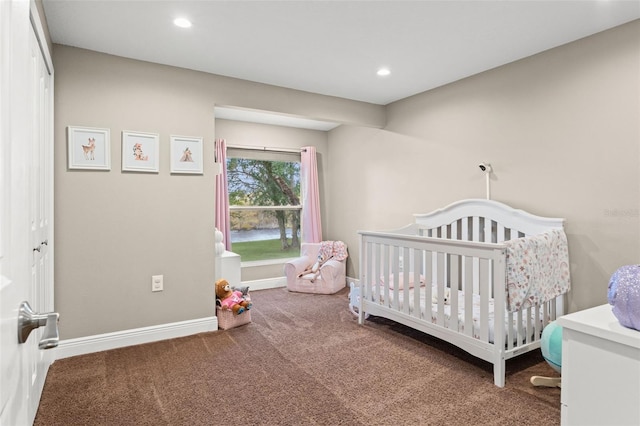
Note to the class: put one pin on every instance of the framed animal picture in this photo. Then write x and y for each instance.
(140, 152)
(89, 148)
(186, 155)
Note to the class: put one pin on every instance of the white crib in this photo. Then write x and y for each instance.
(457, 251)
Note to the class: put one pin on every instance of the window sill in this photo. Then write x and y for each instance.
(267, 262)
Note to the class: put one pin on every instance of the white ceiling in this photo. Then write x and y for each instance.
(334, 47)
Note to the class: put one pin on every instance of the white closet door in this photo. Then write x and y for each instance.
(26, 193)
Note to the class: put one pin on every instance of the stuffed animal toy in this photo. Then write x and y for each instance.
(314, 270)
(354, 299)
(244, 289)
(230, 299)
(447, 297)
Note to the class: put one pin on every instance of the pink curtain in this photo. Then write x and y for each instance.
(311, 224)
(223, 224)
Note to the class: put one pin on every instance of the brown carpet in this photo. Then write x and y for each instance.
(303, 360)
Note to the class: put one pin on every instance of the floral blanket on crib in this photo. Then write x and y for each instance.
(537, 269)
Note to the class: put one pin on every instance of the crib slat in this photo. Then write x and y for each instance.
(454, 264)
(370, 283)
(364, 279)
(387, 278)
(520, 330)
(464, 229)
(475, 228)
(417, 268)
(550, 311)
(379, 292)
(501, 234)
(428, 273)
(475, 236)
(468, 294)
(510, 336)
(392, 261)
(529, 330)
(404, 270)
(488, 235)
(525, 331)
(545, 314)
(454, 279)
(484, 300)
(537, 324)
(440, 288)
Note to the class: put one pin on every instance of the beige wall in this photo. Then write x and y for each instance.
(561, 130)
(115, 230)
(238, 133)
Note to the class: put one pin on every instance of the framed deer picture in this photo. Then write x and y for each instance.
(89, 148)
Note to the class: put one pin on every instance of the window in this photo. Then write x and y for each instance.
(264, 203)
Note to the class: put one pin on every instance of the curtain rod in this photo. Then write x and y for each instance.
(266, 148)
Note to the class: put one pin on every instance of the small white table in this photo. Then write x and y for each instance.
(231, 268)
(600, 369)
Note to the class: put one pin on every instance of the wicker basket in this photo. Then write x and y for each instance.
(227, 319)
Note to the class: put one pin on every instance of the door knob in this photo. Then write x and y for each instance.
(29, 321)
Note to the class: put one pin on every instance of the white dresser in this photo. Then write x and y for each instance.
(600, 369)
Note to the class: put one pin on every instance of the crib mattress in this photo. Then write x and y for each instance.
(476, 309)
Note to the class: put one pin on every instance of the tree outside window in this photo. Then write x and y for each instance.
(264, 204)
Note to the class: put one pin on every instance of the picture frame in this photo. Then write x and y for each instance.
(140, 152)
(186, 155)
(88, 148)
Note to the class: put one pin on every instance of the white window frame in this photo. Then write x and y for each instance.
(232, 153)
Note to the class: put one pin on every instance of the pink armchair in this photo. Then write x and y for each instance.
(330, 278)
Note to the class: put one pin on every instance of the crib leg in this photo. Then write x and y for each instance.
(499, 372)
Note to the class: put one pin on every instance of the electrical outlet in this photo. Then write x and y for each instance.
(157, 283)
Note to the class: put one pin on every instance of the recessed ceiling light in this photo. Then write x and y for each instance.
(383, 72)
(182, 22)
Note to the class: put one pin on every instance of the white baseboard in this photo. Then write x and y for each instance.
(137, 336)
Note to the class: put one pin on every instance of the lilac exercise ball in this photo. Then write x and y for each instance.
(624, 295)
